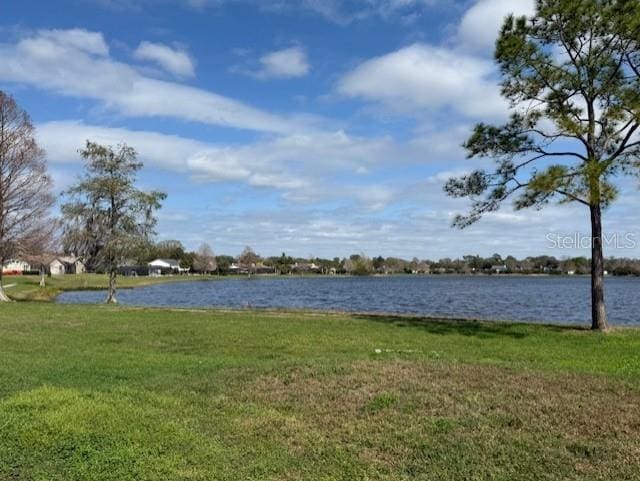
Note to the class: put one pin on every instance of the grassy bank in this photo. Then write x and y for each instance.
(27, 288)
(108, 393)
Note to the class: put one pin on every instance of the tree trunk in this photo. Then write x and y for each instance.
(42, 277)
(111, 295)
(598, 311)
(3, 295)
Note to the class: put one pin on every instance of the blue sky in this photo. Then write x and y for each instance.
(319, 127)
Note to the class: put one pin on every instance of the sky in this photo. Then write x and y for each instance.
(316, 127)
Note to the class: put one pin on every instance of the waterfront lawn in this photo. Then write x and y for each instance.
(114, 393)
(27, 288)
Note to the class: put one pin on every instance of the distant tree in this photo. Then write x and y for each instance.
(205, 260)
(283, 263)
(361, 265)
(582, 265)
(424, 267)
(496, 259)
(347, 266)
(475, 263)
(449, 265)
(511, 263)
(572, 76)
(224, 263)
(107, 216)
(187, 260)
(327, 265)
(170, 249)
(568, 266)
(249, 259)
(378, 263)
(623, 267)
(395, 265)
(25, 188)
(39, 255)
(415, 261)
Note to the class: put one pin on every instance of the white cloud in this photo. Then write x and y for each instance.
(62, 139)
(342, 12)
(458, 78)
(61, 61)
(173, 60)
(290, 62)
(424, 77)
(303, 168)
(78, 38)
(374, 197)
(299, 165)
(481, 24)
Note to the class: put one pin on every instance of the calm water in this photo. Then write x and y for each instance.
(544, 299)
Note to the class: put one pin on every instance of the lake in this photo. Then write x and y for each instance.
(560, 300)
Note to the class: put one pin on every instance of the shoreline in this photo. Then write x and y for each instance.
(412, 318)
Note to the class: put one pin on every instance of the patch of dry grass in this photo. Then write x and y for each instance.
(437, 420)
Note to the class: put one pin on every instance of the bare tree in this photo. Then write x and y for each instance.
(249, 259)
(25, 187)
(39, 249)
(107, 217)
(205, 259)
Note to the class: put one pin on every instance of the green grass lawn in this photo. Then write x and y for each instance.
(27, 288)
(115, 393)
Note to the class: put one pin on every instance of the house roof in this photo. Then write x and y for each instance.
(65, 260)
(69, 259)
(9, 261)
(170, 262)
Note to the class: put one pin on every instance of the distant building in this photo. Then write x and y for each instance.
(305, 267)
(262, 269)
(238, 269)
(15, 266)
(499, 269)
(422, 268)
(259, 268)
(62, 265)
(159, 267)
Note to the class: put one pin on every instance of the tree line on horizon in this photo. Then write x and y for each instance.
(204, 260)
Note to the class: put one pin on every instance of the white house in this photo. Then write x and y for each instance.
(15, 266)
(237, 269)
(56, 268)
(66, 265)
(157, 267)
